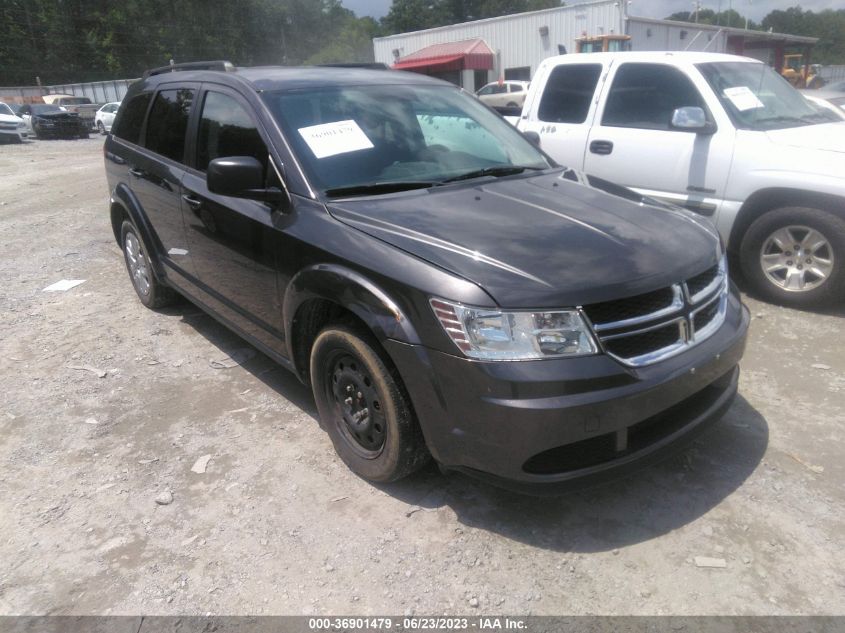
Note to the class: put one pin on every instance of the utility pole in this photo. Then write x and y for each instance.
(697, 6)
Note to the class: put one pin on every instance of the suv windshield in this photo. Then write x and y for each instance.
(4, 109)
(76, 101)
(757, 98)
(370, 136)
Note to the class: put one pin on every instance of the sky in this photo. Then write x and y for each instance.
(754, 9)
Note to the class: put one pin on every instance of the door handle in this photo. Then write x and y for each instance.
(138, 173)
(194, 203)
(601, 147)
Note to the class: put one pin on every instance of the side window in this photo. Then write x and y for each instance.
(645, 95)
(226, 129)
(168, 123)
(128, 124)
(568, 93)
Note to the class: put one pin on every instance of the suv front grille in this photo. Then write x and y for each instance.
(630, 308)
(653, 326)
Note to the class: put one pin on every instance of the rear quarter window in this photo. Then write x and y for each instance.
(131, 118)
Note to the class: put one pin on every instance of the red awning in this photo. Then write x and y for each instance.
(465, 55)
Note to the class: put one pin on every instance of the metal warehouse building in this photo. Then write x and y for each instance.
(474, 53)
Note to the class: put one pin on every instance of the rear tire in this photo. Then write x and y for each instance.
(812, 275)
(150, 290)
(364, 406)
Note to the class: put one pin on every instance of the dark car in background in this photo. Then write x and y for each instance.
(50, 121)
(442, 285)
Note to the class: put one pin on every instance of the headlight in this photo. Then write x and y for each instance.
(491, 334)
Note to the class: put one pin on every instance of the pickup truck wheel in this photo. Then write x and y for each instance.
(150, 290)
(363, 405)
(796, 256)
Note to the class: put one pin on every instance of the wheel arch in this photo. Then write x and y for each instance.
(124, 206)
(324, 293)
(764, 200)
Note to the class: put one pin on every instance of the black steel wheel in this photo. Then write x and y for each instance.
(149, 289)
(363, 405)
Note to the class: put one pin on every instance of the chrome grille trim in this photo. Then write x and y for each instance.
(682, 312)
(677, 304)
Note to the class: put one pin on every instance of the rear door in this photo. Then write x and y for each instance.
(232, 241)
(632, 143)
(562, 114)
(156, 169)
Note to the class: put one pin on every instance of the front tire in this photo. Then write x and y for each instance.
(101, 128)
(795, 256)
(150, 290)
(363, 405)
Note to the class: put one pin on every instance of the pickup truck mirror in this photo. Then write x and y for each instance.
(692, 119)
(533, 138)
(241, 177)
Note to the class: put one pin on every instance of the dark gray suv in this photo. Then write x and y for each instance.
(443, 286)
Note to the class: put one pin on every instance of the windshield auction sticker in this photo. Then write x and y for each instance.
(742, 98)
(339, 137)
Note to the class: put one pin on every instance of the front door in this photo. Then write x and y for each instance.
(233, 241)
(633, 144)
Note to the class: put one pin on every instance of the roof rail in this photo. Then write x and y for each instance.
(370, 65)
(221, 65)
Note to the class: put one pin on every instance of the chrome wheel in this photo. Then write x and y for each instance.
(797, 258)
(137, 262)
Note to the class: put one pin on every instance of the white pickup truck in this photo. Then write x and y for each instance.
(724, 136)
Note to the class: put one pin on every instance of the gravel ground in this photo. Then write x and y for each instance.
(276, 523)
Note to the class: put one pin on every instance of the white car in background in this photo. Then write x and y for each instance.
(509, 94)
(105, 117)
(12, 127)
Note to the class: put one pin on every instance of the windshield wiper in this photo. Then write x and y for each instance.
(494, 170)
(779, 119)
(379, 187)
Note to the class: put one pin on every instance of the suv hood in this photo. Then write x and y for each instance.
(552, 240)
(829, 137)
(9, 118)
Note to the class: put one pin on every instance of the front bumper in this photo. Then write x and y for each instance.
(549, 425)
(14, 133)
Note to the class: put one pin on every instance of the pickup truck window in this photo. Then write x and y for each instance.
(168, 123)
(757, 98)
(645, 95)
(128, 124)
(568, 93)
(226, 129)
(350, 136)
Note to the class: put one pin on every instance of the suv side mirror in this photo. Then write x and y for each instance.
(240, 177)
(692, 119)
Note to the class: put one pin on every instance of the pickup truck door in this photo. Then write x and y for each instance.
(632, 143)
(562, 113)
